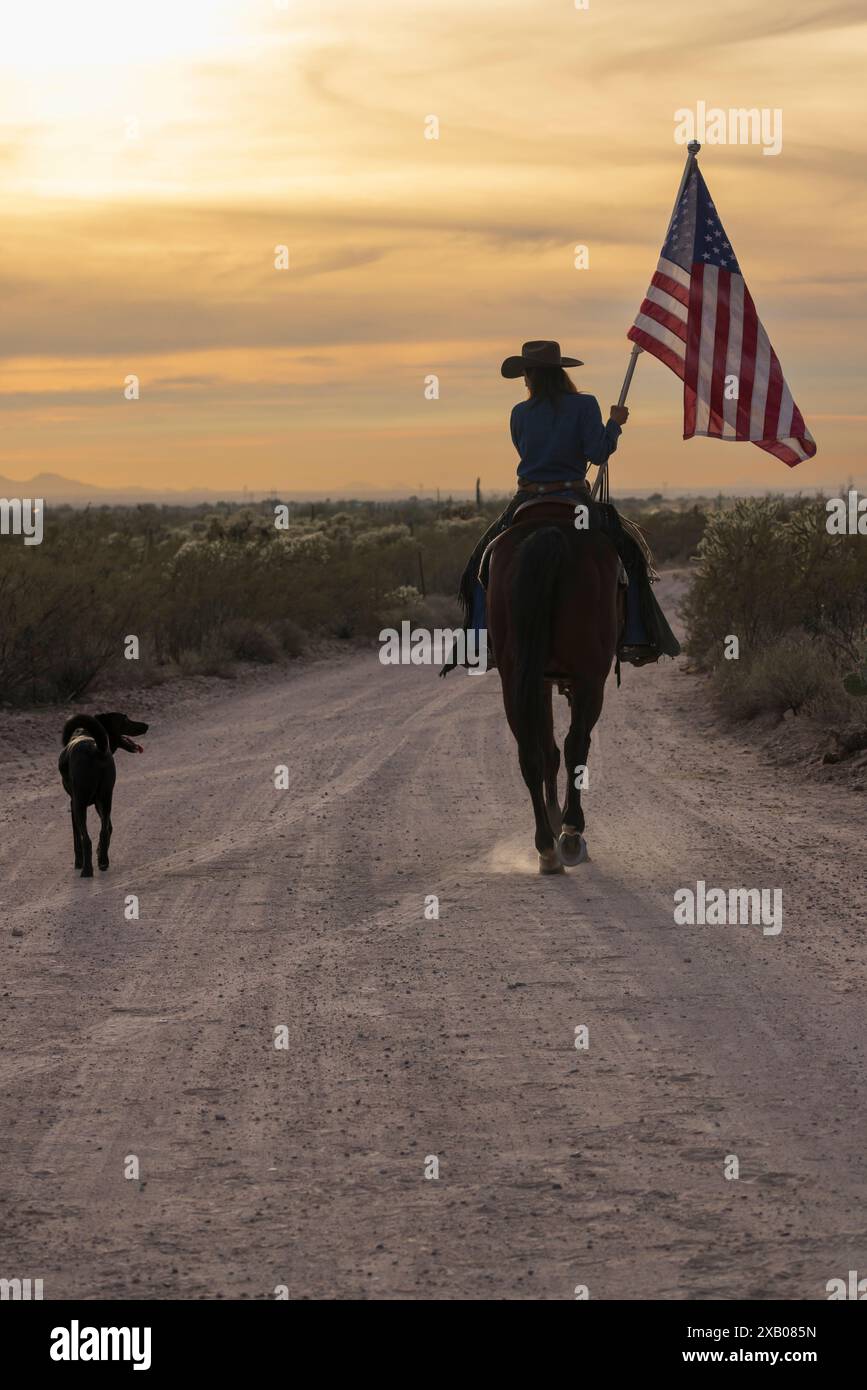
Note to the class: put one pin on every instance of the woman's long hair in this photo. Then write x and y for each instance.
(547, 383)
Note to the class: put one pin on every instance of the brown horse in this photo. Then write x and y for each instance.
(554, 615)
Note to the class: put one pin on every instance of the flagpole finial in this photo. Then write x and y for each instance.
(693, 147)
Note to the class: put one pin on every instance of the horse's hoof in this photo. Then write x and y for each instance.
(87, 873)
(572, 848)
(104, 866)
(549, 862)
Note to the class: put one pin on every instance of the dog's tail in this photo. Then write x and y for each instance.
(88, 725)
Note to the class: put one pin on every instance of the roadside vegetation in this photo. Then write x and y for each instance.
(768, 573)
(205, 588)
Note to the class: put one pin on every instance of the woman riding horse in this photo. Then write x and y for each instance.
(552, 601)
(558, 432)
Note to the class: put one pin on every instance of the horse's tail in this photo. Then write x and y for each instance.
(534, 593)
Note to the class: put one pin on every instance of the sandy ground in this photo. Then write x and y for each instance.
(410, 1038)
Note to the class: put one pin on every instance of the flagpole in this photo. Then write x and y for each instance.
(602, 476)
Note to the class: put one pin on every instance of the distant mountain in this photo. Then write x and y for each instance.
(45, 485)
(68, 491)
(57, 490)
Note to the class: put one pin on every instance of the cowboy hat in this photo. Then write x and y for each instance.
(537, 354)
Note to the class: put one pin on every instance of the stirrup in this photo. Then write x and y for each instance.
(636, 654)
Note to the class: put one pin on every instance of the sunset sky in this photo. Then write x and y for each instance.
(153, 156)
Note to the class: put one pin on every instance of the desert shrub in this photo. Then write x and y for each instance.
(404, 604)
(182, 579)
(63, 614)
(291, 637)
(793, 673)
(250, 641)
(740, 585)
(855, 682)
(213, 658)
(768, 567)
(795, 597)
(673, 535)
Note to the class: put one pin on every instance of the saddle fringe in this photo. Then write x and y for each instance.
(643, 544)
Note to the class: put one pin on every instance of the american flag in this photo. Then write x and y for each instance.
(700, 320)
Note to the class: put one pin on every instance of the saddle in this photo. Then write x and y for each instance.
(559, 511)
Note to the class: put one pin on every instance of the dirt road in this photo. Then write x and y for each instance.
(407, 1038)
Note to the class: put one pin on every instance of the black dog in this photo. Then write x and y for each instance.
(87, 768)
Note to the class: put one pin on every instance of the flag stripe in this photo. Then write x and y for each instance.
(693, 342)
(707, 337)
(667, 301)
(719, 349)
(786, 404)
(671, 357)
(671, 287)
(651, 310)
(662, 334)
(770, 426)
(760, 385)
(731, 395)
(674, 272)
(748, 366)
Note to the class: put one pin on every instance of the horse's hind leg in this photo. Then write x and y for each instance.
(585, 711)
(530, 756)
(551, 760)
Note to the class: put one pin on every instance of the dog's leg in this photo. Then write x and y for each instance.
(104, 811)
(76, 838)
(79, 812)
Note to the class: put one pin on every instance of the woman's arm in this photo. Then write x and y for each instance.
(600, 441)
(513, 430)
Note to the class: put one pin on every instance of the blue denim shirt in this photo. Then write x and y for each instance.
(558, 441)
